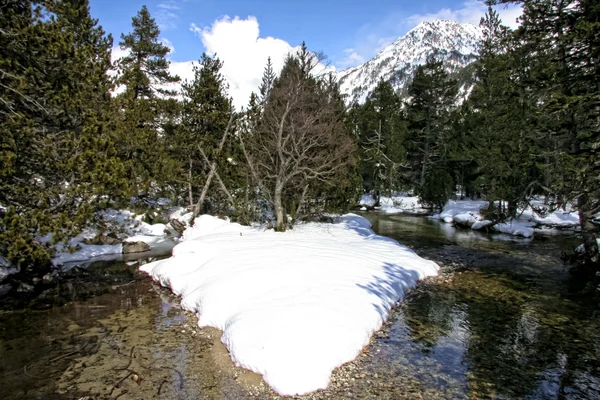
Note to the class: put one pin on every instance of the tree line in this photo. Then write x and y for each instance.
(528, 127)
(82, 134)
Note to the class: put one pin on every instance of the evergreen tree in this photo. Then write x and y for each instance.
(144, 74)
(57, 149)
(267, 81)
(559, 43)
(502, 118)
(432, 98)
(144, 69)
(206, 113)
(381, 132)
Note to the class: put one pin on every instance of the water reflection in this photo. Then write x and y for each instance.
(501, 330)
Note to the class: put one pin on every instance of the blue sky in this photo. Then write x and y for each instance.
(244, 33)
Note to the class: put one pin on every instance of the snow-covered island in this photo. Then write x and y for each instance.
(295, 305)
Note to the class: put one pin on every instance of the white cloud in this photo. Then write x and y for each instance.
(167, 15)
(471, 12)
(169, 44)
(351, 58)
(244, 53)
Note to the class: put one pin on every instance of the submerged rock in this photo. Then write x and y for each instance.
(135, 247)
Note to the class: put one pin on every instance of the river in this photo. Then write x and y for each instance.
(499, 322)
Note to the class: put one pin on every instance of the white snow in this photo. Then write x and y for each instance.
(84, 252)
(292, 306)
(126, 221)
(458, 207)
(468, 212)
(399, 60)
(398, 203)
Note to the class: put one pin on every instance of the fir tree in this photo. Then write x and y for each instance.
(267, 81)
(432, 98)
(503, 112)
(144, 74)
(381, 133)
(144, 69)
(206, 114)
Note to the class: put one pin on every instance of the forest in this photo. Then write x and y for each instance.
(81, 133)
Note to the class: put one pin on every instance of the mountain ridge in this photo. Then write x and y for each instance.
(452, 42)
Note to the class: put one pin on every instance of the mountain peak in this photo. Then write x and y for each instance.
(453, 42)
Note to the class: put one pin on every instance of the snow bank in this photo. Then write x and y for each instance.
(398, 203)
(460, 208)
(292, 306)
(125, 221)
(85, 252)
(468, 213)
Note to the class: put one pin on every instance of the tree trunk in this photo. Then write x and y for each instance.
(589, 232)
(425, 162)
(213, 167)
(279, 211)
(190, 191)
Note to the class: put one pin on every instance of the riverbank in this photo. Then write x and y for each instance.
(496, 300)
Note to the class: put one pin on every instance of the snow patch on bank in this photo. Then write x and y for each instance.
(398, 203)
(292, 306)
(468, 213)
(132, 229)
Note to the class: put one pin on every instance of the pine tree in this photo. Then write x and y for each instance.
(58, 152)
(144, 69)
(267, 81)
(502, 118)
(206, 114)
(144, 74)
(381, 133)
(432, 98)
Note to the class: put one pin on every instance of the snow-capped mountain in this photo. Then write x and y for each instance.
(450, 41)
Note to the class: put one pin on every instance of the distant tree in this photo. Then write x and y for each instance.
(380, 128)
(301, 142)
(144, 75)
(432, 98)
(145, 68)
(268, 79)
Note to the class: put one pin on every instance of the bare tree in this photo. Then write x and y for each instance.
(300, 139)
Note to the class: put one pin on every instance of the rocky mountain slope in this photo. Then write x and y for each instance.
(450, 41)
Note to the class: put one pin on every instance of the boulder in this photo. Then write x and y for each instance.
(25, 288)
(6, 268)
(135, 247)
(4, 289)
(178, 226)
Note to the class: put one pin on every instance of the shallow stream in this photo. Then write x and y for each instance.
(500, 322)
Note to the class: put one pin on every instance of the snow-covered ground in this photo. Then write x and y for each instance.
(125, 221)
(468, 213)
(398, 203)
(292, 306)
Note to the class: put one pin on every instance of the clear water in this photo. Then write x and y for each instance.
(505, 327)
